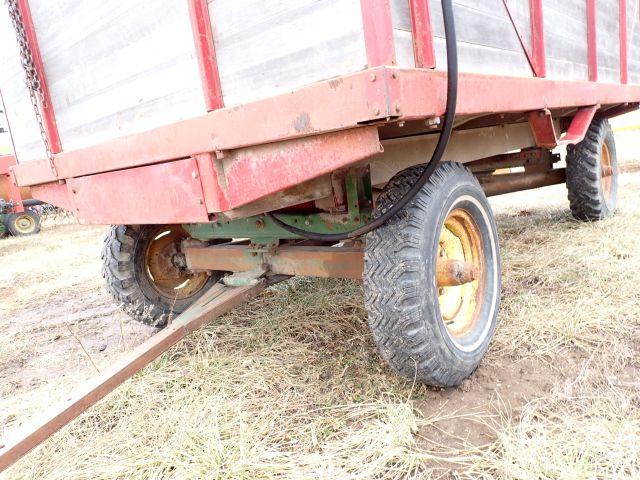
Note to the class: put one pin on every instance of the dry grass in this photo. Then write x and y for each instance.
(290, 386)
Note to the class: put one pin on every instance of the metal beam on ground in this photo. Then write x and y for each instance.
(217, 301)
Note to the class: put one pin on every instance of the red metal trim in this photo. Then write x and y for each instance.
(140, 195)
(378, 32)
(205, 49)
(256, 172)
(624, 51)
(422, 94)
(213, 185)
(339, 104)
(538, 52)
(422, 33)
(619, 110)
(544, 131)
(54, 193)
(592, 40)
(184, 191)
(46, 107)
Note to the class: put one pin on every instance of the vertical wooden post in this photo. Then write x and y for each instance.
(592, 40)
(205, 50)
(378, 32)
(422, 33)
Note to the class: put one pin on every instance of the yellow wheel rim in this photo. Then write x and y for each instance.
(606, 172)
(24, 224)
(167, 278)
(460, 273)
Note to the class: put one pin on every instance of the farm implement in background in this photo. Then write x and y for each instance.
(18, 214)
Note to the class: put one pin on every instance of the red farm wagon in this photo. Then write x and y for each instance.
(234, 143)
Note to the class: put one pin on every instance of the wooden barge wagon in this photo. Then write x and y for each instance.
(246, 141)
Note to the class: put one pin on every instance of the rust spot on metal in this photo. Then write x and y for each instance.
(452, 273)
(334, 84)
(302, 123)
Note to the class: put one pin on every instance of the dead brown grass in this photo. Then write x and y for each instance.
(290, 386)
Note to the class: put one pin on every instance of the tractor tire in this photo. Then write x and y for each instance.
(23, 223)
(428, 328)
(138, 268)
(592, 174)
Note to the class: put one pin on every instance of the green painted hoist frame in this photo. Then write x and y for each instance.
(261, 230)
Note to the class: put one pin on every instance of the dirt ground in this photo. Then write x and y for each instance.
(290, 385)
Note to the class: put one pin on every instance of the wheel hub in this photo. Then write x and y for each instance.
(166, 276)
(459, 272)
(24, 224)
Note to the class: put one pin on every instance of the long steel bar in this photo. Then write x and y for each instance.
(215, 302)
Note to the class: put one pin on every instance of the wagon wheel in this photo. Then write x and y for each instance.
(432, 277)
(142, 270)
(592, 174)
(23, 223)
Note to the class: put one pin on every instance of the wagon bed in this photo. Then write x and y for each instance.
(380, 68)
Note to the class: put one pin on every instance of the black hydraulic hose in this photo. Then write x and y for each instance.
(443, 141)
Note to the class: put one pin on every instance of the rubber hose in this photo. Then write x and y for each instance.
(443, 141)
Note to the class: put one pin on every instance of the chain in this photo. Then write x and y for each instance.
(33, 81)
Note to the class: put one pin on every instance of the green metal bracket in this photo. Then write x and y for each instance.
(261, 230)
